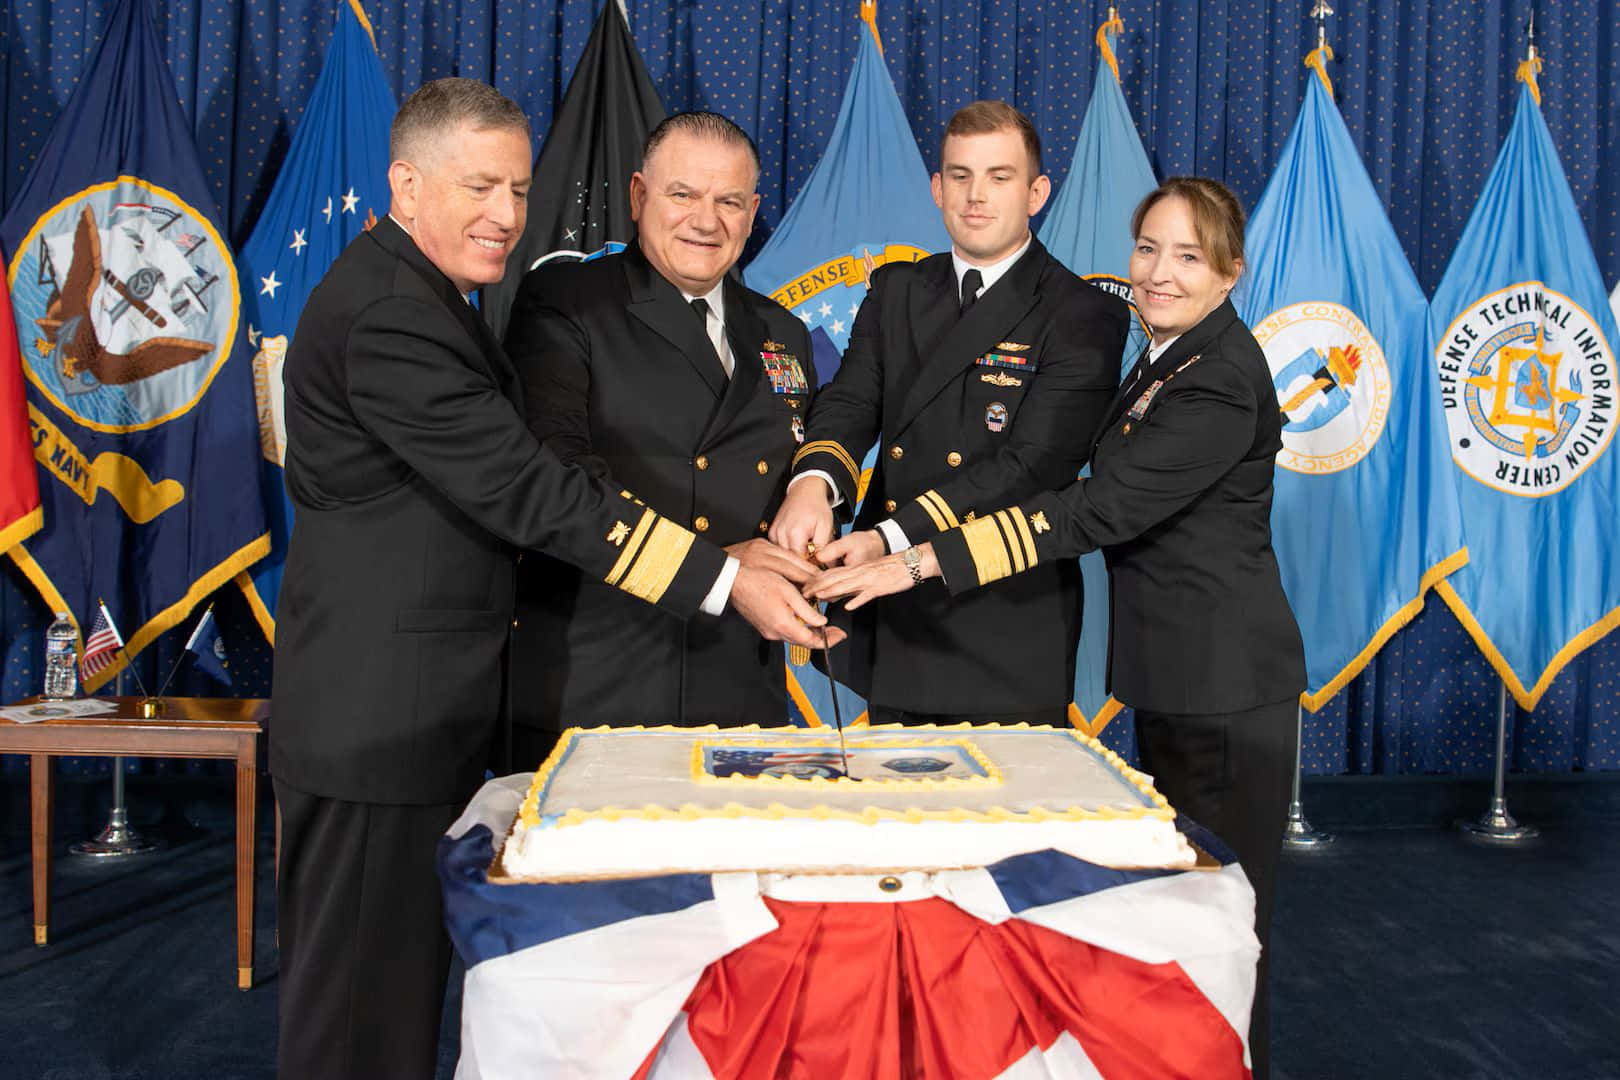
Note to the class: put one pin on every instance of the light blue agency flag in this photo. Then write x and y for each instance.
(333, 185)
(1088, 229)
(1522, 338)
(1365, 517)
(140, 397)
(866, 203)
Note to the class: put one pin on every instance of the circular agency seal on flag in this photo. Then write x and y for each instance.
(126, 303)
(1333, 385)
(1527, 382)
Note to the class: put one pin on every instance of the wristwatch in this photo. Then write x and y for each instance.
(912, 558)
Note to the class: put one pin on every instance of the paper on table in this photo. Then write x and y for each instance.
(51, 710)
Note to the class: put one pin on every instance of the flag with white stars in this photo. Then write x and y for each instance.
(332, 186)
(126, 301)
(579, 203)
(1523, 343)
(865, 203)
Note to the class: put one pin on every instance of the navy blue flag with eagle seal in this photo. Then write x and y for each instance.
(139, 386)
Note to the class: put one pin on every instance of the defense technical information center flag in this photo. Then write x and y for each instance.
(1088, 229)
(332, 186)
(1365, 517)
(1522, 338)
(579, 202)
(866, 203)
(140, 391)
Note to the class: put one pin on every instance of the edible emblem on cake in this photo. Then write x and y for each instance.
(791, 761)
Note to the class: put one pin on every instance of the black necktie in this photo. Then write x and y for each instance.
(701, 307)
(971, 281)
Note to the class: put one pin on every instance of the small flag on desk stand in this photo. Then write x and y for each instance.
(102, 645)
(1088, 229)
(208, 647)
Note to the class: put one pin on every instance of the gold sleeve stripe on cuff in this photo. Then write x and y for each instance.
(658, 562)
(827, 446)
(1010, 538)
(631, 547)
(1024, 535)
(928, 505)
(988, 549)
(944, 508)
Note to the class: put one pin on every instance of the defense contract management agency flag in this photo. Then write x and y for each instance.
(140, 387)
(1069, 969)
(1088, 229)
(19, 486)
(865, 203)
(1365, 518)
(1523, 340)
(332, 186)
(579, 202)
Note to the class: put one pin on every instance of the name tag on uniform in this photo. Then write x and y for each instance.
(783, 369)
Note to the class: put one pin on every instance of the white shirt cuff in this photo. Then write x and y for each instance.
(893, 535)
(720, 592)
(835, 499)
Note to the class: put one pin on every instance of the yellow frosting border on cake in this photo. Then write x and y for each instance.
(529, 812)
(992, 775)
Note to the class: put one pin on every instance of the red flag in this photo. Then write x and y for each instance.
(19, 486)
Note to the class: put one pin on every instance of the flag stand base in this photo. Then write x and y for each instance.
(1496, 825)
(117, 838)
(1298, 835)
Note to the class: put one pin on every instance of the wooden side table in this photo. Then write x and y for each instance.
(188, 728)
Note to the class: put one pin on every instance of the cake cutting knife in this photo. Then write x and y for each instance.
(832, 688)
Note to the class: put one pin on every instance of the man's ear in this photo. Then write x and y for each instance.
(405, 183)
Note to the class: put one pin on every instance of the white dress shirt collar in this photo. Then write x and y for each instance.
(992, 273)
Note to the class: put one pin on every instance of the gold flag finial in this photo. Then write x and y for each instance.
(1318, 57)
(1530, 67)
(1115, 24)
(869, 17)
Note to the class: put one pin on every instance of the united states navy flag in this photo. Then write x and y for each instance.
(1089, 230)
(865, 203)
(1365, 519)
(333, 185)
(140, 390)
(1523, 341)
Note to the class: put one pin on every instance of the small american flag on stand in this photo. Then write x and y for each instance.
(102, 644)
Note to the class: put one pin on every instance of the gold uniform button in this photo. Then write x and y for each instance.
(953, 459)
(762, 467)
(701, 523)
(701, 462)
(890, 505)
(764, 526)
(896, 452)
(514, 624)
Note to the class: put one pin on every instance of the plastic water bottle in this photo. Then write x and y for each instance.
(61, 668)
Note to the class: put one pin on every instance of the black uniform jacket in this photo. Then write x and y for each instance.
(975, 411)
(620, 377)
(414, 480)
(1179, 500)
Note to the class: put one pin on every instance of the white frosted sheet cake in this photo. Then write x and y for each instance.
(632, 801)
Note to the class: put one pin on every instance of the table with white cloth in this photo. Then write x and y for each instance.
(1040, 965)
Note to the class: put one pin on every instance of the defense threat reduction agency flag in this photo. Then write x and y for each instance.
(1365, 518)
(1040, 965)
(866, 203)
(1088, 229)
(579, 202)
(1523, 340)
(140, 393)
(332, 186)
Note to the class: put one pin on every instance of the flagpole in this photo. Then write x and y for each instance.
(1299, 835)
(1496, 825)
(116, 838)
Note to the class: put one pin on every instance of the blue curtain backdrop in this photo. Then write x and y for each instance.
(1426, 89)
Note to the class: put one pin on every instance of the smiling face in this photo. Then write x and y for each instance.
(693, 205)
(987, 194)
(1172, 280)
(464, 201)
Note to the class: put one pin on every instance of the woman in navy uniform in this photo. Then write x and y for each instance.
(1204, 645)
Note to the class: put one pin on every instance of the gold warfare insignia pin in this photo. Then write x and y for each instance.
(1038, 520)
(996, 378)
(1012, 346)
(617, 534)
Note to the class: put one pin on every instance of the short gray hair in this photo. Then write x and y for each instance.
(704, 125)
(441, 106)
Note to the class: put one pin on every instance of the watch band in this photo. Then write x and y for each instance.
(912, 558)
